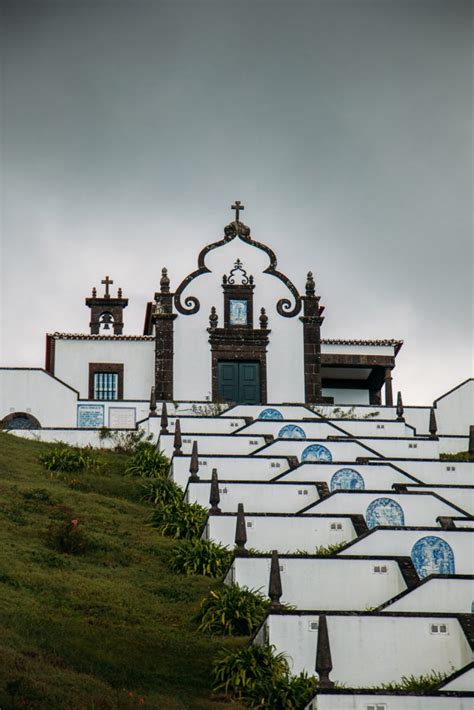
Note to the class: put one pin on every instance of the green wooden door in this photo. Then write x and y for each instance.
(239, 382)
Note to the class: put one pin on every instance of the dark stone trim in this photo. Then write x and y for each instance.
(349, 360)
(231, 231)
(107, 304)
(234, 344)
(111, 367)
(50, 354)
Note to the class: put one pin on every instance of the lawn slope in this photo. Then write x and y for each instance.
(108, 629)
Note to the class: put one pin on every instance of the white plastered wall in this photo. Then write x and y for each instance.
(455, 411)
(35, 392)
(72, 358)
(285, 375)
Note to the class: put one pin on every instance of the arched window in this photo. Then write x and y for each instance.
(19, 420)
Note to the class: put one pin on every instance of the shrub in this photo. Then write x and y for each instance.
(285, 693)
(200, 557)
(66, 536)
(240, 672)
(162, 491)
(70, 459)
(127, 442)
(327, 550)
(147, 462)
(180, 520)
(415, 684)
(460, 456)
(232, 610)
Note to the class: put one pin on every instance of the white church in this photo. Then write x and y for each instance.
(297, 448)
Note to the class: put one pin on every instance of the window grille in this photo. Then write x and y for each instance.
(439, 629)
(313, 625)
(105, 385)
(377, 706)
(335, 526)
(380, 569)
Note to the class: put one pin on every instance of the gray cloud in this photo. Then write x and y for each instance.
(345, 127)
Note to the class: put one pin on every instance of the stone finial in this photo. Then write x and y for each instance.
(471, 443)
(164, 419)
(164, 281)
(274, 586)
(433, 424)
(310, 284)
(94, 292)
(119, 293)
(213, 318)
(240, 531)
(263, 319)
(214, 496)
(323, 654)
(178, 442)
(400, 410)
(194, 465)
(153, 403)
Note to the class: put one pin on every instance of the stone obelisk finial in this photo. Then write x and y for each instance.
(400, 410)
(178, 442)
(214, 497)
(194, 465)
(153, 403)
(240, 531)
(433, 424)
(164, 419)
(323, 654)
(274, 586)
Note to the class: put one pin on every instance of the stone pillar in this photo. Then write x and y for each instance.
(312, 321)
(388, 387)
(163, 318)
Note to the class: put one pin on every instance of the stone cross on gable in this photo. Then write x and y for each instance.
(107, 282)
(238, 208)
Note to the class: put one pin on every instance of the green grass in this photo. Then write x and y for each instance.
(84, 631)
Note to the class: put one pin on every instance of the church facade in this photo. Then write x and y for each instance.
(236, 329)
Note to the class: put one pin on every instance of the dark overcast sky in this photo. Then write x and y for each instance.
(345, 127)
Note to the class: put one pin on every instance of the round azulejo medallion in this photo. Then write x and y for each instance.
(270, 413)
(432, 555)
(316, 452)
(384, 511)
(347, 479)
(291, 431)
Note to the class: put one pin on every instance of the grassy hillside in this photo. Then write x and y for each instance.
(107, 629)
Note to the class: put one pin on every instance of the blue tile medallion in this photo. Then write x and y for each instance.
(432, 555)
(384, 511)
(316, 452)
(291, 431)
(270, 413)
(347, 479)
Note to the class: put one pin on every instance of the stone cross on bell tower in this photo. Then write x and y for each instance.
(106, 311)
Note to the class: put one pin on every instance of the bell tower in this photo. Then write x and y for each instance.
(106, 311)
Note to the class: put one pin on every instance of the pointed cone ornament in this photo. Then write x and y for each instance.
(194, 465)
(178, 441)
(164, 419)
(433, 424)
(152, 402)
(214, 497)
(240, 530)
(323, 654)
(471, 442)
(274, 586)
(400, 408)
